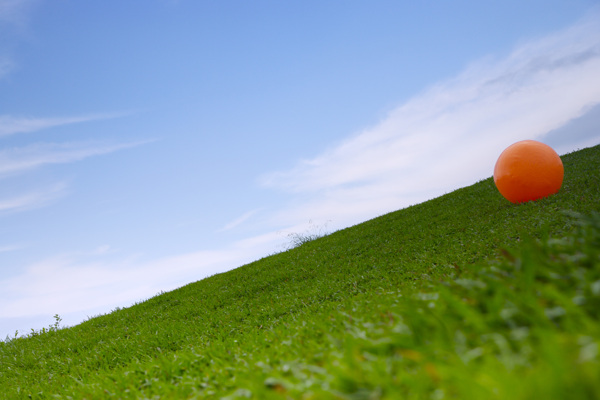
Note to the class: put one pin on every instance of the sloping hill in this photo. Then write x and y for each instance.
(402, 306)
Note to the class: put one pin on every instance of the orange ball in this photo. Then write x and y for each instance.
(528, 170)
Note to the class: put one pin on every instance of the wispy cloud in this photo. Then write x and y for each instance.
(35, 199)
(36, 155)
(10, 125)
(39, 154)
(451, 134)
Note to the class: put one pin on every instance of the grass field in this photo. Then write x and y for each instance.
(466, 296)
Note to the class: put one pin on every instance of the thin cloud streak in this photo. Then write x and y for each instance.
(450, 135)
(239, 221)
(10, 125)
(12, 247)
(32, 200)
(36, 155)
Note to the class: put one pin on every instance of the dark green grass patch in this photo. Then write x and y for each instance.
(433, 301)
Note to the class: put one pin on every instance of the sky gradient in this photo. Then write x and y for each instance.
(148, 144)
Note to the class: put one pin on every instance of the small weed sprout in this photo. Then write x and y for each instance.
(51, 328)
(56, 325)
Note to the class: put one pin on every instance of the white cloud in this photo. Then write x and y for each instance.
(84, 284)
(450, 135)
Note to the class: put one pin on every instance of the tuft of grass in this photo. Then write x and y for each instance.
(313, 232)
(465, 296)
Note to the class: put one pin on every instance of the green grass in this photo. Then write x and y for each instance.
(466, 296)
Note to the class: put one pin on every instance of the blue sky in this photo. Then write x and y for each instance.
(146, 144)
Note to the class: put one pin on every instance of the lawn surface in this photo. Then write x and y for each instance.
(466, 296)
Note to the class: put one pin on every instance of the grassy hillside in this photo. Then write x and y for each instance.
(452, 298)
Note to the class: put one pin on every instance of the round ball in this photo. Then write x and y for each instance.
(528, 170)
